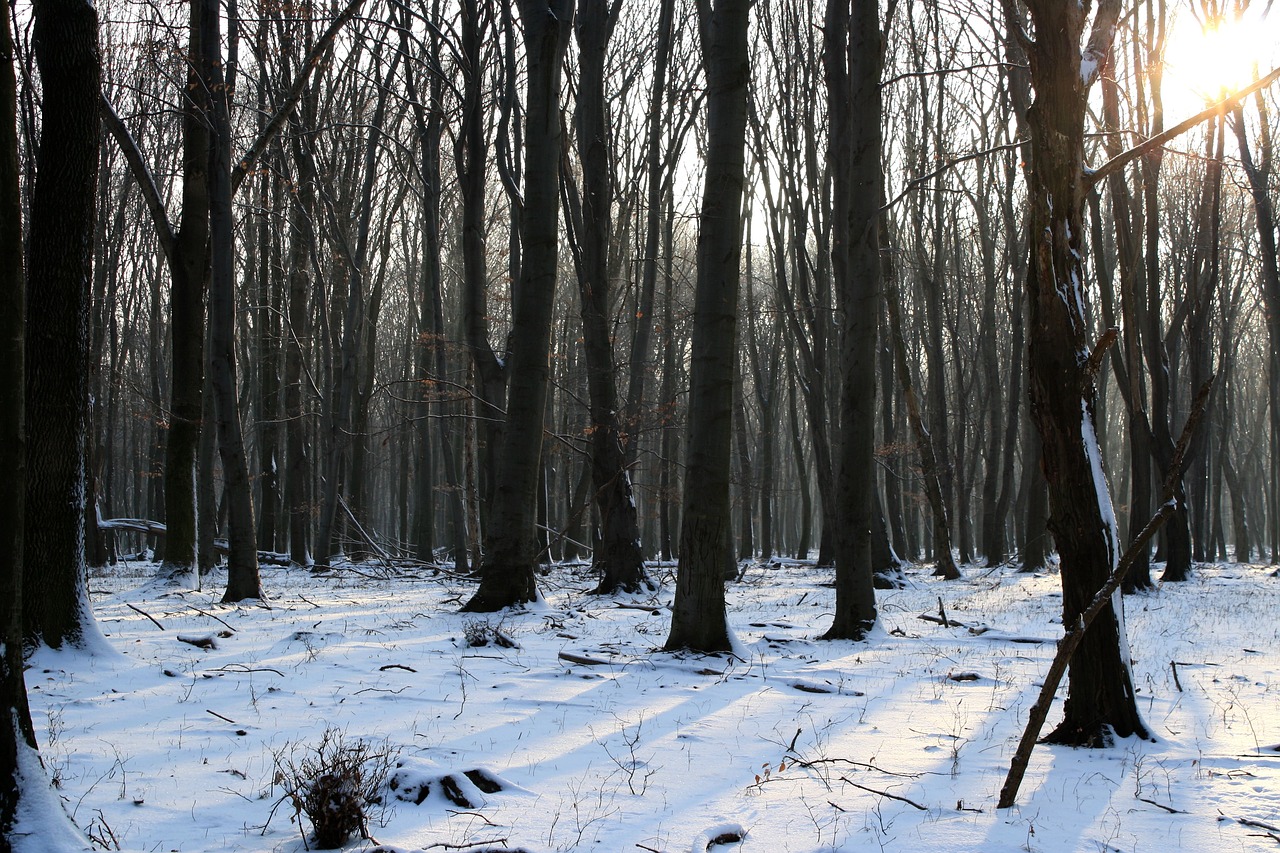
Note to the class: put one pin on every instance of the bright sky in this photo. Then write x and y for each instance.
(1204, 64)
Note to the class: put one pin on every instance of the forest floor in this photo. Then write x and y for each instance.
(900, 743)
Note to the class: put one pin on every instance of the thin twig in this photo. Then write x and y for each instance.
(220, 717)
(444, 845)
(884, 794)
(211, 616)
(146, 614)
(1169, 809)
(239, 667)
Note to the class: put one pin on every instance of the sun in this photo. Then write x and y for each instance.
(1208, 61)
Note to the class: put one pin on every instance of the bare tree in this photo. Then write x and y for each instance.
(507, 576)
(853, 57)
(1100, 700)
(617, 556)
(698, 619)
(59, 263)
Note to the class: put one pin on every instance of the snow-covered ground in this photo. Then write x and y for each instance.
(900, 743)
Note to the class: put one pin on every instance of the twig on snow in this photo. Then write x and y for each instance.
(1169, 809)
(144, 613)
(444, 845)
(884, 794)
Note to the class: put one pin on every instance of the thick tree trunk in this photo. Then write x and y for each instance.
(507, 576)
(698, 620)
(17, 737)
(59, 261)
(1100, 699)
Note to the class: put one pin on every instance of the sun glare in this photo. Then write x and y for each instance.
(1205, 63)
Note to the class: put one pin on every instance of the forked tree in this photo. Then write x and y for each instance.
(507, 575)
(617, 556)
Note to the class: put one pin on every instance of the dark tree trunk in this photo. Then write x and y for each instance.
(17, 737)
(1128, 369)
(617, 557)
(1258, 169)
(242, 552)
(271, 305)
(189, 271)
(804, 540)
(640, 341)
(698, 620)
(507, 576)
(432, 352)
(302, 215)
(1100, 699)
(472, 165)
(853, 57)
(59, 263)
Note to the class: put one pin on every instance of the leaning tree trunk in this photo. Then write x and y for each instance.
(1100, 699)
(59, 260)
(698, 619)
(1258, 170)
(511, 555)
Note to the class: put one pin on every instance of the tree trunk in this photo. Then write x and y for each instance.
(618, 557)
(853, 57)
(1258, 171)
(17, 736)
(698, 620)
(472, 165)
(1100, 699)
(507, 576)
(59, 262)
(242, 552)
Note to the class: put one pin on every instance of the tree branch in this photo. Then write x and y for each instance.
(1092, 178)
(296, 91)
(141, 174)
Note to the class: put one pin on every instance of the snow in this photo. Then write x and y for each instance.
(790, 744)
(41, 826)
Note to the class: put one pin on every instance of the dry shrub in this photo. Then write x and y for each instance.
(333, 783)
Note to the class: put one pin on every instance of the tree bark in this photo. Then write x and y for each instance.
(1100, 699)
(507, 575)
(16, 732)
(242, 553)
(59, 262)
(617, 557)
(698, 620)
